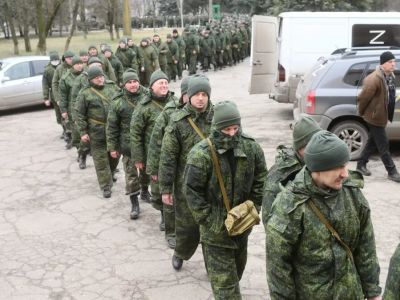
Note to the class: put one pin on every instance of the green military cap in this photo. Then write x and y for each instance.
(69, 53)
(325, 151)
(169, 36)
(185, 85)
(54, 55)
(157, 75)
(92, 47)
(83, 52)
(94, 59)
(123, 40)
(303, 131)
(76, 60)
(198, 84)
(226, 114)
(107, 48)
(129, 74)
(95, 71)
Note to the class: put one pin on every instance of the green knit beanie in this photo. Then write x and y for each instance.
(107, 48)
(92, 47)
(95, 71)
(83, 52)
(185, 85)
(157, 75)
(69, 53)
(94, 59)
(76, 60)
(129, 74)
(325, 151)
(226, 114)
(54, 56)
(303, 131)
(199, 84)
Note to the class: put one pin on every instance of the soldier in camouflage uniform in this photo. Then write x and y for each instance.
(149, 62)
(236, 43)
(115, 62)
(392, 288)
(219, 48)
(127, 56)
(182, 52)
(58, 73)
(179, 138)
(67, 102)
(304, 259)
(172, 57)
(118, 133)
(48, 96)
(141, 128)
(192, 50)
(92, 108)
(288, 162)
(153, 155)
(163, 53)
(207, 50)
(228, 47)
(107, 67)
(243, 170)
(84, 55)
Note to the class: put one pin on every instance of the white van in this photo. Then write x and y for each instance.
(285, 47)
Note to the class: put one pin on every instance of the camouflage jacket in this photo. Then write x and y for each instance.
(118, 68)
(192, 43)
(128, 58)
(287, 165)
(207, 46)
(219, 42)
(179, 139)
(153, 155)
(392, 289)
(181, 45)
(58, 73)
(173, 53)
(47, 80)
(66, 83)
(163, 52)
(107, 68)
(81, 82)
(304, 260)
(92, 110)
(202, 190)
(119, 120)
(142, 124)
(150, 58)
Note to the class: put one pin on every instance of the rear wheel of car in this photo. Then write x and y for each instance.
(354, 134)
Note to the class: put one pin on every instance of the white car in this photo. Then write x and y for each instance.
(21, 81)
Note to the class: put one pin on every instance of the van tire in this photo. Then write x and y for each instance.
(354, 134)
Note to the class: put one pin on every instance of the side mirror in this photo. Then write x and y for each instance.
(5, 78)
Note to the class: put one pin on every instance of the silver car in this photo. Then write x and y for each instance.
(328, 94)
(21, 81)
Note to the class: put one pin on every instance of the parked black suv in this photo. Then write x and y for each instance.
(329, 91)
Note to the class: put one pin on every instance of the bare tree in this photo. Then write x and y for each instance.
(82, 16)
(116, 17)
(24, 18)
(127, 19)
(10, 20)
(73, 26)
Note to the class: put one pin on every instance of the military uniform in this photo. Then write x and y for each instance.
(243, 169)
(107, 67)
(128, 58)
(192, 50)
(93, 104)
(163, 53)
(150, 62)
(392, 289)
(172, 58)
(182, 54)
(207, 49)
(47, 89)
(118, 68)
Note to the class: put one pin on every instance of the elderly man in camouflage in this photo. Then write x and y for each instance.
(243, 170)
(92, 108)
(118, 133)
(187, 127)
(392, 288)
(141, 128)
(153, 155)
(288, 162)
(319, 237)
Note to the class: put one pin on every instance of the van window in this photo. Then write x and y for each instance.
(375, 35)
(354, 74)
(18, 71)
(38, 66)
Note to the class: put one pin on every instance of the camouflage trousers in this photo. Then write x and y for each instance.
(225, 267)
(104, 164)
(180, 66)
(132, 185)
(228, 56)
(165, 69)
(173, 71)
(169, 220)
(57, 112)
(208, 61)
(192, 64)
(187, 231)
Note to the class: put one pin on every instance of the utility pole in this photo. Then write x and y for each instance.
(210, 11)
(127, 19)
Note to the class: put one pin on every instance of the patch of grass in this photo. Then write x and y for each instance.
(57, 43)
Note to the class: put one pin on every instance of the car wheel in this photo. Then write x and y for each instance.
(354, 134)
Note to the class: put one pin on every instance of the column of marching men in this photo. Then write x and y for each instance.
(118, 106)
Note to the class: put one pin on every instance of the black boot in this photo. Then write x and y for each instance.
(162, 223)
(177, 262)
(114, 178)
(135, 210)
(62, 136)
(362, 168)
(145, 195)
(69, 141)
(82, 160)
(107, 192)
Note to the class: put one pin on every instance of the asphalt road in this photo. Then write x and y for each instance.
(60, 239)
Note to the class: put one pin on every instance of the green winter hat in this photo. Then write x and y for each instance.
(54, 56)
(199, 84)
(325, 151)
(69, 53)
(169, 36)
(76, 60)
(157, 75)
(226, 114)
(129, 74)
(185, 85)
(83, 52)
(95, 71)
(107, 48)
(303, 131)
(94, 59)
(91, 47)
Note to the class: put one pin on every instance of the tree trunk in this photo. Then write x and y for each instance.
(116, 18)
(10, 21)
(73, 26)
(83, 19)
(127, 19)
(110, 18)
(22, 13)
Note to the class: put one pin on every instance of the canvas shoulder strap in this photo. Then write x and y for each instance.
(328, 225)
(100, 95)
(219, 175)
(157, 104)
(196, 128)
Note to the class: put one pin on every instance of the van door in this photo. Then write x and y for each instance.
(264, 54)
